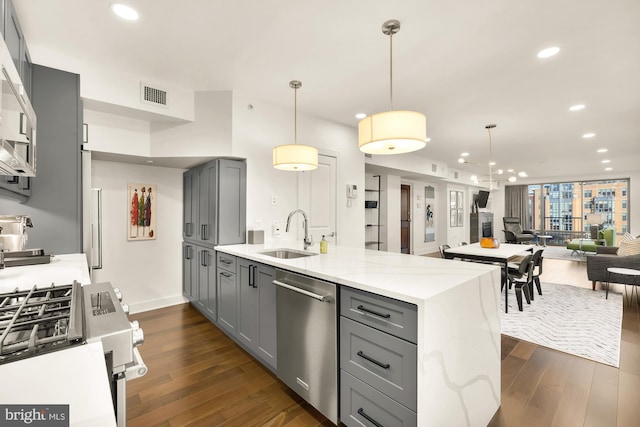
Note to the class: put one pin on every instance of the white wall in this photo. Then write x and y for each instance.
(392, 207)
(209, 135)
(149, 273)
(112, 133)
(112, 87)
(418, 213)
(257, 129)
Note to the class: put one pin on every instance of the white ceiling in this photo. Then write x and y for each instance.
(464, 64)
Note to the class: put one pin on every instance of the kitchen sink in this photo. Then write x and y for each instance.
(287, 253)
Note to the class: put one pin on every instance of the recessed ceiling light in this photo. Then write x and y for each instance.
(360, 116)
(428, 139)
(522, 174)
(550, 51)
(577, 107)
(465, 154)
(602, 150)
(510, 170)
(149, 161)
(492, 163)
(608, 169)
(589, 135)
(124, 11)
(606, 161)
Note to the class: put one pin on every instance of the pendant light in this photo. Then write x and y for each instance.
(392, 132)
(295, 157)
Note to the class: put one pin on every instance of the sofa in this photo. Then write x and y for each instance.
(606, 237)
(606, 256)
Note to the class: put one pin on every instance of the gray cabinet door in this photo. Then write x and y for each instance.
(13, 36)
(206, 300)
(268, 338)
(190, 207)
(248, 304)
(206, 204)
(228, 300)
(189, 272)
(257, 310)
(232, 199)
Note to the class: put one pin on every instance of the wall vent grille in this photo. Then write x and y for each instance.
(153, 95)
(367, 155)
(455, 175)
(434, 167)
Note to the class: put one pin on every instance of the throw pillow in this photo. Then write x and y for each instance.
(629, 248)
(627, 237)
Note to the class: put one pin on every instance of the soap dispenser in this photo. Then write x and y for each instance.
(323, 245)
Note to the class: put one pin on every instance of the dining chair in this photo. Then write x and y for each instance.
(522, 279)
(537, 265)
(442, 248)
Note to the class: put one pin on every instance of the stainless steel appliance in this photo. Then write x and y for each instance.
(13, 232)
(41, 320)
(307, 339)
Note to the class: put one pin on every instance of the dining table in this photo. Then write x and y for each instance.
(499, 255)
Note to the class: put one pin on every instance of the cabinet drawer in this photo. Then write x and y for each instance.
(398, 318)
(384, 362)
(362, 405)
(226, 261)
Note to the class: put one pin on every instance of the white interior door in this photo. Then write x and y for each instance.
(317, 197)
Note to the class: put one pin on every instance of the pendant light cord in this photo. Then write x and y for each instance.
(295, 115)
(391, 70)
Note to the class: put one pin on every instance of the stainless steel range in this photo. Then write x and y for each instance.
(46, 319)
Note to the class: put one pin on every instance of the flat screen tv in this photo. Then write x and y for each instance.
(483, 197)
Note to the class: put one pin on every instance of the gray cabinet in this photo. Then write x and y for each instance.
(227, 285)
(14, 39)
(206, 298)
(257, 310)
(215, 203)
(55, 202)
(378, 360)
(189, 271)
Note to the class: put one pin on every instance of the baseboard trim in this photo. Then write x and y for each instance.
(156, 303)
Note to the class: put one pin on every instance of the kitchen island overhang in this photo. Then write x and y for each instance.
(458, 321)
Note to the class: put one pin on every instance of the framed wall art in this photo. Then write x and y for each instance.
(142, 208)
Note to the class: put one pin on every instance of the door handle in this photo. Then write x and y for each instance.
(204, 231)
(322, 298)
(251, 278)
(332, 234)
(255, 271)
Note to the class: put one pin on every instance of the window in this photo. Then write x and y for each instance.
(562, 207)
(456, 211)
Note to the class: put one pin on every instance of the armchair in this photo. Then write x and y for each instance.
(513, 231)
(606, 257)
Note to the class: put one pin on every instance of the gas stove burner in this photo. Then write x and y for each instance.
(39, 320)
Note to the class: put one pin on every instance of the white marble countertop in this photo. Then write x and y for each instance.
(405, 277)
(62, 270)
(76, 377)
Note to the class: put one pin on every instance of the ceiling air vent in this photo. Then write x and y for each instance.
(153, 95)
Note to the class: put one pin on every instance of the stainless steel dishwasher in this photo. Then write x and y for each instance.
(307, 339)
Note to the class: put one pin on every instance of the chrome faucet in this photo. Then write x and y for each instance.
(308, 241)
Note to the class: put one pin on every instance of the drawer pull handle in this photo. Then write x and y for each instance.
(368, 418)
(382, 365)
(225, 274)
(225, 261)
(384, 316)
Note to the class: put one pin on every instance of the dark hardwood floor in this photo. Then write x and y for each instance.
(199, 377)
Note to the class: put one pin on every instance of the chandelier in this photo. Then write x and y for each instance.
(494, 175)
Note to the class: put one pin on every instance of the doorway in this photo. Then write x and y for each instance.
(405, 218)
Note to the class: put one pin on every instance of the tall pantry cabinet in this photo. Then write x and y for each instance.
(214, 214)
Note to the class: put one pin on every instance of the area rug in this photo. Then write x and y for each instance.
(570, 319)
(560, 252)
